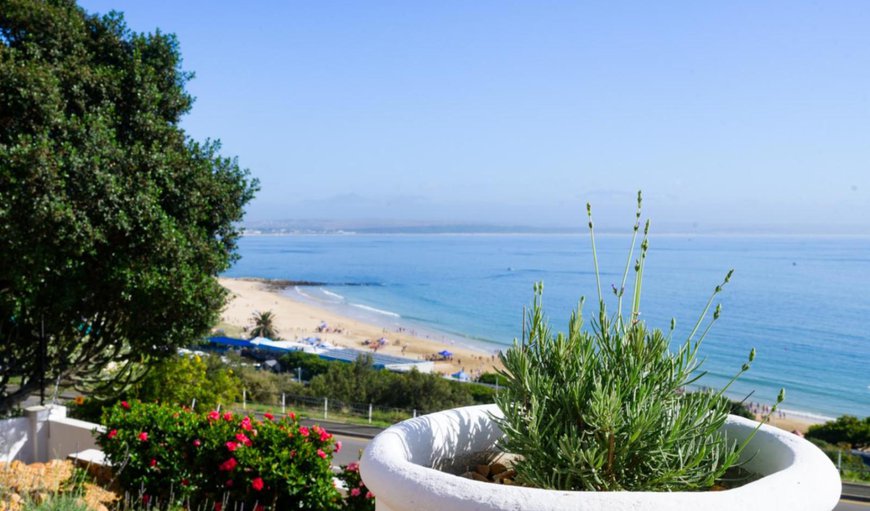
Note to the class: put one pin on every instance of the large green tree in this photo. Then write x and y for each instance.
(113, 222)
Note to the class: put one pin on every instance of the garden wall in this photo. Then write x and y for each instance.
(44, 433)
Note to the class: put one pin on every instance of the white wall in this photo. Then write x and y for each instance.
(45, 433)
(14, 441)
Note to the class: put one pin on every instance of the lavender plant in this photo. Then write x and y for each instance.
(605, 408)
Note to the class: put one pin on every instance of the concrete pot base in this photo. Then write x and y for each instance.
(407, 466)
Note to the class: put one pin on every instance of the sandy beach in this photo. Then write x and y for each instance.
(297, 320)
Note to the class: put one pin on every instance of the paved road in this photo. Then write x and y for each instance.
(847, 505)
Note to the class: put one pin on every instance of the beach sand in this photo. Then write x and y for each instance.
(297, 320)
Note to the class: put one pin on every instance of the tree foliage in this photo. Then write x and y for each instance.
(113, 222)
(264, 326)
(847, 429)
(359, 382)
(179, 380)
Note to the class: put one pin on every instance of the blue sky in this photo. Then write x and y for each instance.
(744, 115)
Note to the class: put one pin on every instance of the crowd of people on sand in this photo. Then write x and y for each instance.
(323, 328)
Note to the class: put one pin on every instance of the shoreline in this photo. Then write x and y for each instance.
(298, 318)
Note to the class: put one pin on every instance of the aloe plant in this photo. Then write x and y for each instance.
(605, 408)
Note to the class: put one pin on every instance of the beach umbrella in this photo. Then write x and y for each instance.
(445, 353)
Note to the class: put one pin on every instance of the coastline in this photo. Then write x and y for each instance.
(297, 319)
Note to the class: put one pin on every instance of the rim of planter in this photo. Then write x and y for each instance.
(396, 468)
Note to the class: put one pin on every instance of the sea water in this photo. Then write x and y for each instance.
(802, 302)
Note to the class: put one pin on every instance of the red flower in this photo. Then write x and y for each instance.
(291, 415)
(143, 436)
(352, 466)
(337, 447)
(259, 507)
(146, 498)
(246, 424)
(324, 436)
(218, 506)
(185, 482)
(228, 465)
(214, 415)
(232, 446)
(243, 439)
(197, 443)
(257, 484)
(125, 405)
(269, 416)
(355, 492)
(321, 453)
(370, 495)
(228, 416)
(112, 434)
(153, 462)
(303, 431)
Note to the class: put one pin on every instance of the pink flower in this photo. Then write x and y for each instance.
(214, 415)
(246, 424)
(338, 447)
(370, 495)
(143, 436)
(232, 446)
(361, 484)
(355, 492)
(352, 466)
(257, 483)
(228, 416)
(125, 405)
(324, 436)
(303, 431)
(112, 434)
(228, 465)
(243, 439)
(269, 416)
(153, 462)
(197, 443)
(321, 453)
(291, 415)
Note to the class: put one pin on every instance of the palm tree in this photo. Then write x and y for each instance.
(264, 325)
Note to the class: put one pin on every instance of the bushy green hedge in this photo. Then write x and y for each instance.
(847, 429)
(170, 455)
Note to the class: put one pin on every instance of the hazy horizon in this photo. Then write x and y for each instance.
(743, 116)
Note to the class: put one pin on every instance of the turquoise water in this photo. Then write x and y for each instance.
(801, 302)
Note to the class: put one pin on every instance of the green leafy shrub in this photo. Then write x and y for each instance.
(492, 379)
(359, 382)
(311, 364)
(606, 408)
(171, 455)
(847, 429)
(205, 379)
(481, 394)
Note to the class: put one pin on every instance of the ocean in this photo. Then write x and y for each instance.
(802, 302)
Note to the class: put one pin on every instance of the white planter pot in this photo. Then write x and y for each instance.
(396, 466)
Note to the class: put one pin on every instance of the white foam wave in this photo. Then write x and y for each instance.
(378, 311)
(812, 417)
(330, 293)
(302, 293)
